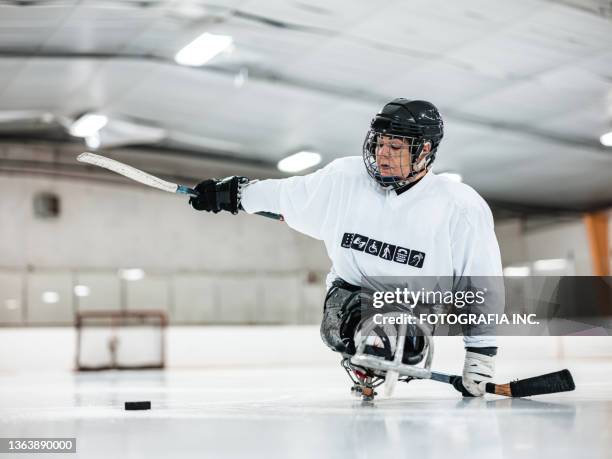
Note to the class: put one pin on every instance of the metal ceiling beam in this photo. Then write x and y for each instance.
(274, 78)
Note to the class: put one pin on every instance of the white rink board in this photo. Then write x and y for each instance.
(53, 348)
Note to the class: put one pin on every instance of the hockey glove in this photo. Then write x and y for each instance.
(217, 195)
(478, 369)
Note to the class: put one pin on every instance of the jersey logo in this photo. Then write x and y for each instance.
(347, 239)
(373, 247)
(387, 251)
(416, 259)
(383, 250)
(401, 255)
(359, 242)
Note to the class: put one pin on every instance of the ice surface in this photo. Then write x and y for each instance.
(304, 413)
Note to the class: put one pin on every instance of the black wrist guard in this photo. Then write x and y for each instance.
(217, 195)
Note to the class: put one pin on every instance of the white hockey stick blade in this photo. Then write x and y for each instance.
(127, 171)
(147, 179)
(390, 379)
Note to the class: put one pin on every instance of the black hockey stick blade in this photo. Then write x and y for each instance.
(551, 383)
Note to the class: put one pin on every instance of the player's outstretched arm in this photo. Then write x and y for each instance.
(301, 201)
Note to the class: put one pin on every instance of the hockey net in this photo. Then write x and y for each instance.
(122, 340)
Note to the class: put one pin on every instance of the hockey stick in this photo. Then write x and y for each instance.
(145, 178)
(551, 383)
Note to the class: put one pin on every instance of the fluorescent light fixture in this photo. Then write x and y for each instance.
(606, 139)
(299, 161)
(452, 176)
(203, 49)
(93, 141)
(552, 264)
(88, 125)
(50, 297)
(132, 274)
(19, 115)
(11, 304)
(517, 271)
(82, 290)
(241, 77)
(47, 118)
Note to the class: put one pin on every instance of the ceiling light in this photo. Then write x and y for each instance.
(11, 304)
(132, 274)
(452, 176)
(50, 297)
(47, 118)
(517, 271)
(82, 290)
(20, 115)
(93, 141)
(299, 161)
(88, 125)
(203, 49)
(241, 77)
(606, 139)
(552, 264)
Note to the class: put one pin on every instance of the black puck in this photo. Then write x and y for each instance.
(138, 405)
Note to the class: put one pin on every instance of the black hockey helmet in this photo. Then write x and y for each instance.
(415, 122)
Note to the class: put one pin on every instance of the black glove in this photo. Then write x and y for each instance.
(217, 195)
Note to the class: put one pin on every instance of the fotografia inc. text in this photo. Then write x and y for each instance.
(455, 319)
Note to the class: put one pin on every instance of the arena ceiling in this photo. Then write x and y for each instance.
(524, 86)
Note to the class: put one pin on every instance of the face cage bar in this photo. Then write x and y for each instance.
(411, 148)
(374, 368)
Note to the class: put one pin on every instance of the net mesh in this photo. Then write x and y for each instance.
(120, 340)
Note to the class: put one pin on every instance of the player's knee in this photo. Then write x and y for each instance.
(341, 314)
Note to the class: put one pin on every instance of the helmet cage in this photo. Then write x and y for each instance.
(409, 164)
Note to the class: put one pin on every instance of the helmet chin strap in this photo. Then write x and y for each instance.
(422, 162)
(421, 165)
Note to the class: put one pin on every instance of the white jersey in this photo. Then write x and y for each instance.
(436, 228)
